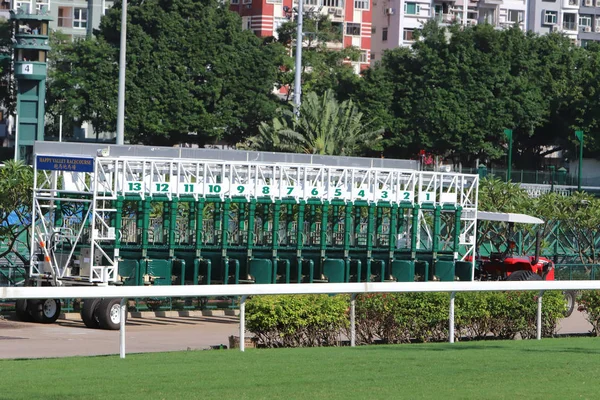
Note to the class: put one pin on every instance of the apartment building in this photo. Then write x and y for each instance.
(395, 21)
(577, 19)
(353, 17)
(77, 18)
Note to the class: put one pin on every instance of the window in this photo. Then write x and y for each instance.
(65, 17)
(274, 1)
(373, 30)
(277, 22)
(80, 18)
(372, 56)
(384, 34)
(570, 21)
(515, 16)
(550, 17)
(364, 57)
(352, 29)
(361, 4)
(408, 34)
(246, 23)
(333, 3)
(412, 8)
(311, 2)
(235, 2)
(585, 20)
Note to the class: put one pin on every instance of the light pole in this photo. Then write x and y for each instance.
(579, 135)
(509, 136)
(122, 53)
(298, 72)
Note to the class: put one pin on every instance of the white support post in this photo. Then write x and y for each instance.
(243, 323)
(451, 318)
(122, 327)
(353, 320)
(539, 315)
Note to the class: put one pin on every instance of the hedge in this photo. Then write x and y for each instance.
(319, 320)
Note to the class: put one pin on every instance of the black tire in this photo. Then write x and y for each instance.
(88, 313)
(44, 311)
(524, 275)
(109, 314)
(22, 312)
(571, 298)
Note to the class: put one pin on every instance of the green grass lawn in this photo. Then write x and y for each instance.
(549, 369)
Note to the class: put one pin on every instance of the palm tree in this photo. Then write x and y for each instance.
(324, 127)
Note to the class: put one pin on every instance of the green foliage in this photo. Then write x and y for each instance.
(456, 90)
(292, 321)
(589, 302)
(311, 320)
(322, 68)
(16, 182)
(324, 127)
(193, 74)
(404, 317)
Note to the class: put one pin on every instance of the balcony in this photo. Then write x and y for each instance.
(569, 26)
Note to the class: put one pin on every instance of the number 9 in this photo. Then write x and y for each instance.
(240, 189)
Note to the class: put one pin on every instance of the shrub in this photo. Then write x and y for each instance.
(589, 301)
(317, 320)
(296, 321)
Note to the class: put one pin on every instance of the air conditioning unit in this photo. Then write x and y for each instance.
(331, 10)
(587, 29)
(589, 3)
(339, 12)
(556, 28)
(598, 28)
(390, 11)
(597, 3)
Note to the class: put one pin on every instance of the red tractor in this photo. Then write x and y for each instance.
(509, 266)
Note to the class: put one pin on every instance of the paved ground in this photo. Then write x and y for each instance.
(71, 338)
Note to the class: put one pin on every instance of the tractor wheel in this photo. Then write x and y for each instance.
(570, 297)
(109, 314)
(524, 275)
(45, 311)
(88, 313)
(22, 312)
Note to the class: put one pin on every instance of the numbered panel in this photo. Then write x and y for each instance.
(215, 189)
(290, 191)
(134, 187)
(427, 197)
(242, 190)
(405, 196)
(362, 193)
(160, 187)
(314, 191)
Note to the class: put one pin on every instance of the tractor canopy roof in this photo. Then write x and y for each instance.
(508, 217)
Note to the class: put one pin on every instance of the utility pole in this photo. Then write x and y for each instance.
(298, 72)
(122, 53)
(509, 136)
(579, 135)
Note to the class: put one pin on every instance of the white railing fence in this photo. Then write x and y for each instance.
(244, 291)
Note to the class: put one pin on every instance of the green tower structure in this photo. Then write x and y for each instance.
(31, 47)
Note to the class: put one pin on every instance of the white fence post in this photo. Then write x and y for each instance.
(243, 323)
(451, 319)
(539, 315)
(353, 320)
(122, 327)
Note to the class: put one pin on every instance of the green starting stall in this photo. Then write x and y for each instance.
(135, 219)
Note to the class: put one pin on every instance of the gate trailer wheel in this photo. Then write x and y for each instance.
(22, 312)
(109, 314)
(570, 297)
(88, 313)
(524, 275)
(44, 311)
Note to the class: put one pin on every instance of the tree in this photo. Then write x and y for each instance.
(16, 181)
(324, 127)
(456, 90)
(323, 68)
(193, 74)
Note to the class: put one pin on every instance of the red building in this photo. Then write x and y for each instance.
(264, 17)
